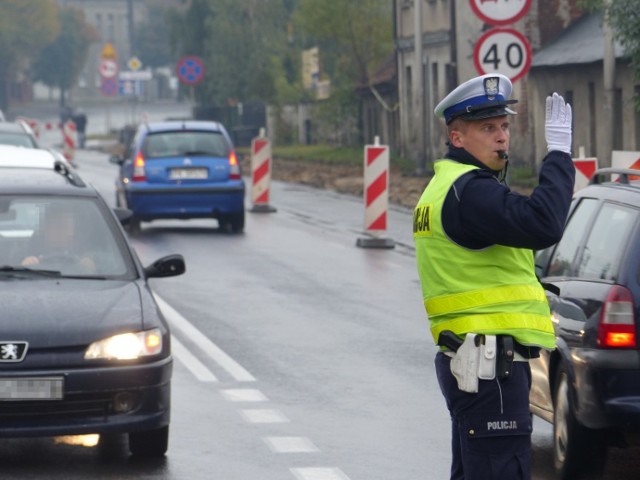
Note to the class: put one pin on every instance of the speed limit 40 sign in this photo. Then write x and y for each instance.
(503, 50)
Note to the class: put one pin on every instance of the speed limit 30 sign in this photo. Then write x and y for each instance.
(502, 50)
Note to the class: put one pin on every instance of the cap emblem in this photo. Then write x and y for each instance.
(491, 87)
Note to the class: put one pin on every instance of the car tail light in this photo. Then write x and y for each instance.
(617, 327)
(139, 174)
(234, 167)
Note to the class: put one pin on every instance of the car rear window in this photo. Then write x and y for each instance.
(607, 241)
(566, 250)
(17, 139)
(183, 143)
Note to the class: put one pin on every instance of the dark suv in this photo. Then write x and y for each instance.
(589, 387)
(84, 348)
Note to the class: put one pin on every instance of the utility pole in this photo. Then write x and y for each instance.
(131, 30)
(609, 69)
(418, 88)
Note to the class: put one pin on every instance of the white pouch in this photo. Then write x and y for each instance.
(464, 365)
(487, 362)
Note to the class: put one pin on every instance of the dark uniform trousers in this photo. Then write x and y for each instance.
(491, 429)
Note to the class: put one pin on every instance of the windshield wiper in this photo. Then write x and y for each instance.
(34, 271)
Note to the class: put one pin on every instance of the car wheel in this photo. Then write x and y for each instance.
(151, 443)
(133, 227)
(236, 221)
(577, 450)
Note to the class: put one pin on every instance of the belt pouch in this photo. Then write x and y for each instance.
(487, 360)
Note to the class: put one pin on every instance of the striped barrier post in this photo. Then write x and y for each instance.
(69, 140)
(261, 174)
(376, 196)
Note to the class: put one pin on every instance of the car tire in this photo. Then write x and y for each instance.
(236, 221)
(150, 443)
(133, 227)
(578, 450)
(232, 221)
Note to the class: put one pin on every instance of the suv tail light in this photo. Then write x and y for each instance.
(617, 327)
(234, 167)
(139, 174)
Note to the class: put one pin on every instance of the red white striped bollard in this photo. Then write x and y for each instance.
(261, 173)
(69, 140)
(376, 196)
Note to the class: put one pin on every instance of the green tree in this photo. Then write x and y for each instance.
(243, 44)
(25, 28)
(153, 47)
(60, 62)
(624, 18)
(355, 37)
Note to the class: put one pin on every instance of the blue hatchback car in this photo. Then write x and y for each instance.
(181, 170)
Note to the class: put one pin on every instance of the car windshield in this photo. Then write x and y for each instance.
(69, 235)
(181, 143)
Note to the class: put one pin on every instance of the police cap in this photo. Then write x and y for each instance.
(481, 97)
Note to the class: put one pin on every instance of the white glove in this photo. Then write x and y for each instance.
(557, 124)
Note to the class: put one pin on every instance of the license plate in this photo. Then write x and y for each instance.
(188, 173)
(34, 388)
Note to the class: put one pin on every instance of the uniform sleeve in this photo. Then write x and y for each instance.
(485, 212)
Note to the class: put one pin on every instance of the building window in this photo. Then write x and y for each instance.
(435, 83)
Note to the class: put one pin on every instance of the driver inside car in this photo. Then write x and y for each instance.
(56, 244)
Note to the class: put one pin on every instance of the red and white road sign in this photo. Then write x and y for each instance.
(376, 182)
(500, 12)
(261, 173)
(108, 68)
(260, 170)
(69, 140)
(625, 159)
(503, 50)
(585, 168)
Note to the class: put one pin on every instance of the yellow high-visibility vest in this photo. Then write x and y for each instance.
(489, 291)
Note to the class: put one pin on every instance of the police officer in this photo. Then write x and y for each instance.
(474, 242)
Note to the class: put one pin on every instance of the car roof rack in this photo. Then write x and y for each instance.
(64, 169)
(624, 173)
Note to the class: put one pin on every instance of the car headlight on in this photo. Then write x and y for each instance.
(126, 346)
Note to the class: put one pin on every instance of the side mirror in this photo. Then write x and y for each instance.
(123, 215)
(116, 159)
(169, 266)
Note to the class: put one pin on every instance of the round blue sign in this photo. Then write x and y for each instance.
(190, 70)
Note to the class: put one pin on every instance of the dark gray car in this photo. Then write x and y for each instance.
(83, 346)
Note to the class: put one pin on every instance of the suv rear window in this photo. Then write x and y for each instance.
(181, 143)
(607, 240)
(607, 236)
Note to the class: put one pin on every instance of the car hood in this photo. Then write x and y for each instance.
(66, 312)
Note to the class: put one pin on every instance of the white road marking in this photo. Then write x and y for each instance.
(319, 473)
(263, 416)
(290, 445)
(208, 347)
(196, 367)
(244, 395)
